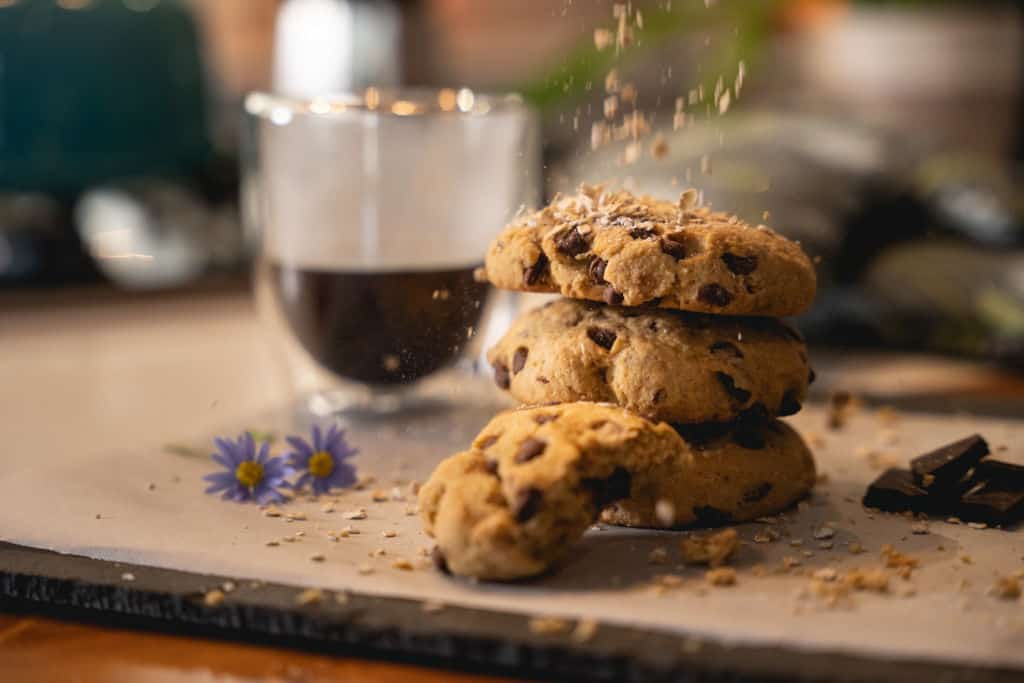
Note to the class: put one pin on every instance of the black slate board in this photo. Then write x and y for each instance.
(79, 588)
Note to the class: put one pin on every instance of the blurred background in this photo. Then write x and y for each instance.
(886, 135)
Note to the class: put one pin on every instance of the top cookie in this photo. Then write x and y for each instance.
(635, 250)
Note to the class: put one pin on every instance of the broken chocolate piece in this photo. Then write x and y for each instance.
(740, 265)
(714, 295)
(519, 359)
(790, 405)
(596, 269)
(530, 449)
(729, 384)
(571, 242)
(534, 273)
(602, 337)
(946, 466)
(501, 376)
(996, 496)
(527, 504)
(895, 491)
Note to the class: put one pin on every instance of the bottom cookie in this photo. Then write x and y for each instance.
(724, 475)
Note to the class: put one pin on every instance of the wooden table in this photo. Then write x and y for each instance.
(98, 345)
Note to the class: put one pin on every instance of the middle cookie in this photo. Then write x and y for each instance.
(665, 365)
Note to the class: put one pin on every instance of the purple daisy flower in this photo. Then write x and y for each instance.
(249, 474)
(322, 462)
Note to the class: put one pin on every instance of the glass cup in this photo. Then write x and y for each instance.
(369, 214)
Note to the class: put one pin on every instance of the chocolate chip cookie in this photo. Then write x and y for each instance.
(532, 483)
(725, 474)
(536, 478)
(635, 250)
(664, 365)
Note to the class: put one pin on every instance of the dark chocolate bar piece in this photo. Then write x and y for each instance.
(944, 467)
(895, 491)
(1005, 473)
(997, 495)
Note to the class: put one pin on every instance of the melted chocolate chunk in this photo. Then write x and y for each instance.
(501, 376)
(544, 419)
(488, 441)
(946, 466)
(530, 449)
(674, 249)
(659, 396)
(790, 405)
(538, 270)
(439, 560)
(714, 295)
(519, 359)
(543, 380)
(757, 493)
(596, 269)
(606, 491)
(602, 337)
(811, 375)
(491, 466)
(709, 516)
(527, 504)
(725, 347)
(610, 296)
(642, 233)
(729, 384)
(571, 243)
(740, 265)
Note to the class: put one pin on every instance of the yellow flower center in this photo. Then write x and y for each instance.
(321, 464)
(249, 474)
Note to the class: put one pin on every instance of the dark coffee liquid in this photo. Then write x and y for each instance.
(380, 327)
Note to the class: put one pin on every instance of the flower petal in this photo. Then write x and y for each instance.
(300, 445)
(317, 438)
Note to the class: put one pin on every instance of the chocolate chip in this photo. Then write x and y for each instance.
(729, 384)
(487, 441)
(534, 273)
(673, 249)
(602, 337)
(530, 449)
(725, 347)
(659, 396)
(757, 493)
(790, 405)
(642, 233)
(811, 375)
(740, 265)
(501, 376)
(698, 436)
(527, 504)
(544, 419)
(571, 243)
(612, 297)
(710, 516)
(654, 303)
(714, 295)
(519, 359)
(653, 326)
(606, 491)
(597, 424)
(439, 560)
(543, 380)
(596, 269)
(749, 436)
(491, 466)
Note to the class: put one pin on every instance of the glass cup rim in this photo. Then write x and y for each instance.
(385, 101)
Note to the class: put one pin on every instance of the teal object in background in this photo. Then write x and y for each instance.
(97, 91)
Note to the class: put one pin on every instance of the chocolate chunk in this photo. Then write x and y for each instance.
(487, 441)
(653, 303)
(673, 249)
(740, 265)
(612, 297)
(725, 347)
(501, 376)
(993, 504)
(811, 375)
(791, 332)
(606, 491)
(895, 491)
(714, 295)
(653, 326)
(1006, 473)
(538, 270)
(602, 337)
(519, 359)
(527, 504)
(543, 380)
(530, 449)
(946, 466)
(729, 384)
(699, 435)
(544, 419)
(790, 405)
(439, 560)
(749, 436)
(709, 516)
(757, 493)
(642, 233)
(659, 396)
(596, 269)
(756, 415)
(571, 243)
(491, 466)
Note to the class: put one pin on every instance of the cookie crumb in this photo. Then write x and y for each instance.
(390, 533)
(1006, 588)
(546, 626)
(213, 597)
(824, 532)
(327, 507)
(272, 512)
(403, 564)
(658, 555)
(295, 516)
(713, 550)
(310, 596)
(359, 513)
(586, 629)
(317, 557)
(723, 576)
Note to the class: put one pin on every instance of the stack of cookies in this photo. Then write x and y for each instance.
(652, 390)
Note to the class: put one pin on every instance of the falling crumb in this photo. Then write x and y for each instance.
(317, 557)
(213, 598)
(403, 564)
(544, 626)
(723, 576)
(354, 514)
(310, 596)
(432, 606)
(658, 556)
(390, 533)
(585, 630)
(127, 576)
(713, 550)
(665, 512)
